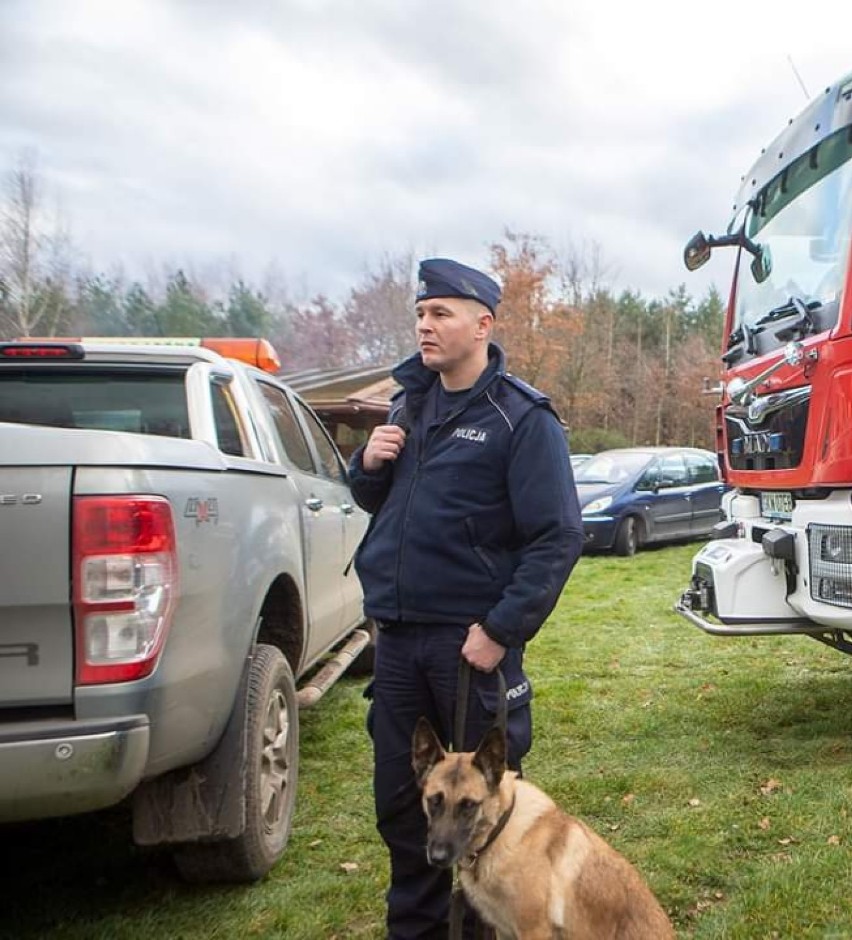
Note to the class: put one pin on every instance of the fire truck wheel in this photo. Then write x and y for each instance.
(268, 779)
(627, 536)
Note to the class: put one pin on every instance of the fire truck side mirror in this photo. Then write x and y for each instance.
(697, 251)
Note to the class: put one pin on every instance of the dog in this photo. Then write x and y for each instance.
(531, 871)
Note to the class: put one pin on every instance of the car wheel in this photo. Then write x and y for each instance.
(268, 778)
(627, 536)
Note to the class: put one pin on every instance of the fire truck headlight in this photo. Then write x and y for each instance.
(831, 564)
(837, 547)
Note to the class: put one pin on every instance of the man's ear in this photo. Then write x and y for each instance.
(490, 757)
(426, 750)
(484, 323)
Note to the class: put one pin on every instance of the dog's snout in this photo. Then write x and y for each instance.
(440, 854)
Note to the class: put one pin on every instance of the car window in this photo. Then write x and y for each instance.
(650, 478)
(610, 467)
(290, 436)
(702, 468)
(673, 471)
(330, 462)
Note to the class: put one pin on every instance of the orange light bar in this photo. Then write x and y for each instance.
(254, 352)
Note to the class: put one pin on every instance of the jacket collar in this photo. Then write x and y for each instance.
(416, 379)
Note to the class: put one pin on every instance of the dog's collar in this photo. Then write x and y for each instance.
(473, 858)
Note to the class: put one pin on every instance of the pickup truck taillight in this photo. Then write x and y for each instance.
(124, 584)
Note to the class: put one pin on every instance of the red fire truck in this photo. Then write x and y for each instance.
(780, 561)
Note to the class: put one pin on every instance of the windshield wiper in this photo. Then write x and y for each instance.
(794, 306)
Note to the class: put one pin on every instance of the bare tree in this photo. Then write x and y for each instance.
(34, 257)
(379, 311)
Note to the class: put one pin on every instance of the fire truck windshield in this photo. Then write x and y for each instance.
(804, 217)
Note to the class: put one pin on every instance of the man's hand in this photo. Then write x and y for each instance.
(481, 651)
(385, 443)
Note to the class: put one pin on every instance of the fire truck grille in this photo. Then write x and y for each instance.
(831, 564)
(769, 434)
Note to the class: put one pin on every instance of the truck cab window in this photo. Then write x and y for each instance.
(331, 466)
(289, 435)
(228, 430)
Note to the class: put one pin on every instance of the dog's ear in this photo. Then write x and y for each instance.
(426, 750)
(490, 757)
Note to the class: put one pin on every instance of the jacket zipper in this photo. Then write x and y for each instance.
(421, 456)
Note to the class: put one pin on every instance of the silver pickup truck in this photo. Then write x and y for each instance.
(176, 533)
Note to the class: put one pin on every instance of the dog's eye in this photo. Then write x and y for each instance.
(468, 807)
(434, 803)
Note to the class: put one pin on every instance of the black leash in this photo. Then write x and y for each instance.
(457, 905)
(462, 697)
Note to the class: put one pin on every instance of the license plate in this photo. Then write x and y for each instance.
(776, 505)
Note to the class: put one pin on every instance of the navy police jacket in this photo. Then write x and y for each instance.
(477, 520)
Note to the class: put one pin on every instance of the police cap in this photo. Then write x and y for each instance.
(441, 277)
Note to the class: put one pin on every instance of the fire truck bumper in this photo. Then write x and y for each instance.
(744, 590)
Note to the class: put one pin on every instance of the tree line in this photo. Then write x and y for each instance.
(621, 369)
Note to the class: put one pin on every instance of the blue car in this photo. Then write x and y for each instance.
(637, 495)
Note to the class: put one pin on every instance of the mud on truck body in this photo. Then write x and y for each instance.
(781, 561)
(176, 529)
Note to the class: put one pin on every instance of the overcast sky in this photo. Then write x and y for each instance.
(318, 135)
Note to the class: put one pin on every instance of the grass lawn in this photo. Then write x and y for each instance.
(721, 768)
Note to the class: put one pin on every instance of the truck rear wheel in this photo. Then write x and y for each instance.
(269, 779)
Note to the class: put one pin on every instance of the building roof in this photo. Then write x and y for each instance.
(347, 390)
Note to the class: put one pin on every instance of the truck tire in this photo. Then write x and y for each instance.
(269, 781)
(627, 536)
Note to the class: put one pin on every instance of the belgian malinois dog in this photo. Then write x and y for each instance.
(530, 870)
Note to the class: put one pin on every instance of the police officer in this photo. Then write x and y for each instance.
(475, 528)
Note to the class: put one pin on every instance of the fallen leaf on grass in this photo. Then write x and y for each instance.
(628, 798)
(833, 840)
(764, 823)
(315, 843)
(349, 867)
(694, 801)
(771, 786)
(789, 840)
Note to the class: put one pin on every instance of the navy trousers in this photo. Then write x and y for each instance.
(416, 673)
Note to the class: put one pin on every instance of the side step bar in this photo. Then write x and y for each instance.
(319, 684)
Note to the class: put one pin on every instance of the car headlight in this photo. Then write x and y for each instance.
(597, 505)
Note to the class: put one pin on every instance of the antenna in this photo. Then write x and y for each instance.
(799, 77)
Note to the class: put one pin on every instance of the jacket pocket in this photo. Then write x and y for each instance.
(479, 551)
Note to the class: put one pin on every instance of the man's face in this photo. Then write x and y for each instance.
(450, 331)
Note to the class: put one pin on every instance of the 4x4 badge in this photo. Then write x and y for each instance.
(202, 510)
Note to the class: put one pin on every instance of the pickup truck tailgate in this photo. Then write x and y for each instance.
(36, 627)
